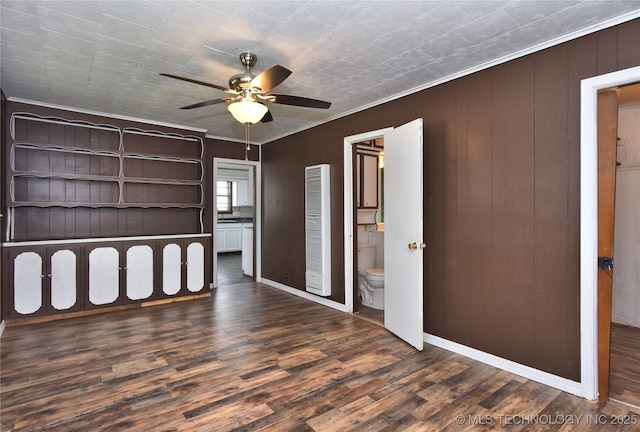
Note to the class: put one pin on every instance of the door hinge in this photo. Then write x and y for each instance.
(605, 263)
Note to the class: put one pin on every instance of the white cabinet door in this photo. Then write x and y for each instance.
(221, 240)
(27, 282)
(63, 279)
(240, 193)
(229, 237)
(139, 272)
(233, 239)
(171, 269)
(104, 275)
(195, 267)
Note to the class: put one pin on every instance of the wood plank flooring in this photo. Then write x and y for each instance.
(624, 379)
(230, 269)
(371, 314)
(253, 358)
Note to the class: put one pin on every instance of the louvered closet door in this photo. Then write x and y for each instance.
(317, 230)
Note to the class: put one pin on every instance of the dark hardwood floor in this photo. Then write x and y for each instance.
(230, 269)
(251, 357)
(371, 314)
(624, 378)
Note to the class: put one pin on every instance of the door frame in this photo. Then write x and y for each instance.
(589, 222)
(257, 212)
(349, 210)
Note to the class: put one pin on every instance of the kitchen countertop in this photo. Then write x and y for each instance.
(235, 220)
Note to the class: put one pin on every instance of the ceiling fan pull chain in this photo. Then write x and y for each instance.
(246, 139)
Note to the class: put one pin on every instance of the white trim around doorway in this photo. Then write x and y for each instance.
(589, 222)
(348, 209)
(257, 221)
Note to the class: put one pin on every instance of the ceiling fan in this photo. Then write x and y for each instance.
(250, 92)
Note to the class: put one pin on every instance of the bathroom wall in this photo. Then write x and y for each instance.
(626, 274)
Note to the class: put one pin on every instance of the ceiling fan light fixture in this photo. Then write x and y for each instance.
(247, 111)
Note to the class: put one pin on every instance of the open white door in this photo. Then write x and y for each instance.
(403, 243)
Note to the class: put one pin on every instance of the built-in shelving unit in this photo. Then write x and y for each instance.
(100, 215)
(62, 163)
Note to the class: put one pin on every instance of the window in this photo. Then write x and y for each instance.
(223, 196)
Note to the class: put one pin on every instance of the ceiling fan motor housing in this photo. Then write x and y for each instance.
(242, 81)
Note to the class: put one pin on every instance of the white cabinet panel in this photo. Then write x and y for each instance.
(229, 237)
(171, 269)
(233, 238)
(240, 192)
(63, 279)
(27, 286)
(221, 240)
(195, 267)
(104, 275)
(139, 272)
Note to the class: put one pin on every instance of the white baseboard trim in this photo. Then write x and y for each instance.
(528, 372)
(1, 328)
(323, 301)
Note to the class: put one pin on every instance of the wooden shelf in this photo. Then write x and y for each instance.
(59, 162)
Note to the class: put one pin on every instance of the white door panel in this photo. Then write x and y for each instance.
(403, 241)
(27, 285)
(171, 269)
(139, 272)
(104, 275)
(195, 267)
(63, 279)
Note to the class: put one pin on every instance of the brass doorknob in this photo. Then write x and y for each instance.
(414, 245)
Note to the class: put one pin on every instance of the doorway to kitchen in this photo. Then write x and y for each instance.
(235, 221)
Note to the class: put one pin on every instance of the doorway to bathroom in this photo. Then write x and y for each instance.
(368, 205)
(400, 281)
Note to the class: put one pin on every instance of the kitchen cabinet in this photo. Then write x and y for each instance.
(46, 278)
(240, 193)
(229, 237)
(367, 181)
(241, 185)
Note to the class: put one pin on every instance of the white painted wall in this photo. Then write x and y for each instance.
(626, 275)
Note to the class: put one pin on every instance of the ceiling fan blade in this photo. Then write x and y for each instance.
(267, 117)
(206, 103)
(270, 78)
(191, 80)
(299, 101)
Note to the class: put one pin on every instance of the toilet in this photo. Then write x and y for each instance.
(370, 279)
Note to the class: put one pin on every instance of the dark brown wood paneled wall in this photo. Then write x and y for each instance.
(502, 189)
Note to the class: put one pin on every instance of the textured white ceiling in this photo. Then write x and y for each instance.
(105, 56)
